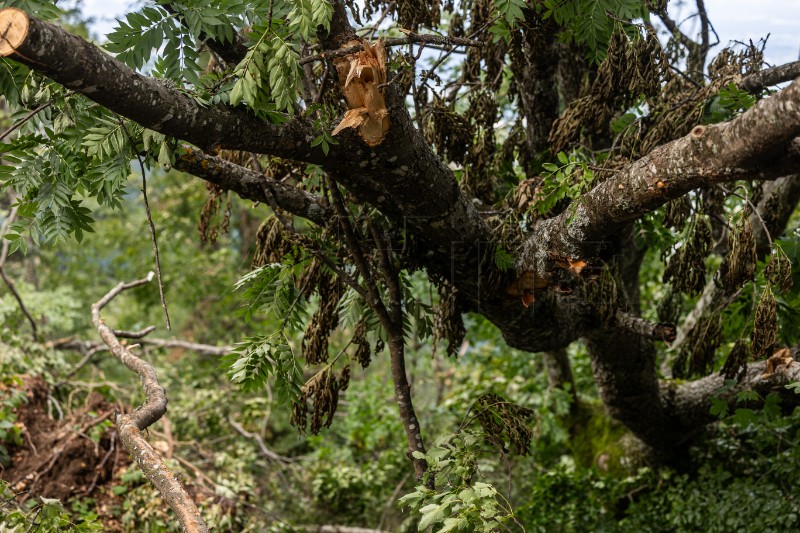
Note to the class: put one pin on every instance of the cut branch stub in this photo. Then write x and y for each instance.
(13, 30)
(361, 77)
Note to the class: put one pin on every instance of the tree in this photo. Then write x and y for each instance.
(534, 182)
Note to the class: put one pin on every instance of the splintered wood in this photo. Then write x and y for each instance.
(360, 76)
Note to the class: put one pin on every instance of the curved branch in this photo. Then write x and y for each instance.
(691, 403)
(131, 425)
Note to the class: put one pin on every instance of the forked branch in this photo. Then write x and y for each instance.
(131, 425)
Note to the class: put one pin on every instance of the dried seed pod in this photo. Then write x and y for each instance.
(765, 324)
(323, 391)
(739, 265)
(503, 421)
(448, 323)
(736, 363)
(779, 269)
(696, 358)
(687, 267)
(362, 354)
(323, 322)
(677, 212)
(211, 224)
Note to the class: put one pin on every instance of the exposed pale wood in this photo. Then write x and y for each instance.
(14, 25)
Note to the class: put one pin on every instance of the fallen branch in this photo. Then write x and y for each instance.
(131, 425)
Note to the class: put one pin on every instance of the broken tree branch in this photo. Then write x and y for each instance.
(131, 425)
(650, 330)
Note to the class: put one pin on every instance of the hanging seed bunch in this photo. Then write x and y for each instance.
(677, 212)
(736, 363)
(739, 265)
(271, 246)
(631, 68)
(447, 131)
(668, 308)
(448, 324)
(323, 391)
(479, 178)
(411, 14)
(681, 105)
(696, 358)
(323, 322)
(687, 267)
(363, 353)
(602, 294)
(211, 223)
(504, 422)
(765, 324)
(779, 270)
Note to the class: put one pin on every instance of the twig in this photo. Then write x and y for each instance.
(392, 321)
(150, 223)
(25, 119)
(266, 452)
(131, 425)
(394, 41)
(12, 215)
(134, 334)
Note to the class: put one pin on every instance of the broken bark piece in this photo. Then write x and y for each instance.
(361, 76)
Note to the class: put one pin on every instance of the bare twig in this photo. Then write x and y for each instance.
(153, 236)
(266, 452)
(25, 119)
(394, 41)
(12, 216)
(392, 321)
(131, 425)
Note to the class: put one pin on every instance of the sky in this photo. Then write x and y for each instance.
(733, 20)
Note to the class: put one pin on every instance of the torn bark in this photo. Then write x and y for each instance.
(361, 78)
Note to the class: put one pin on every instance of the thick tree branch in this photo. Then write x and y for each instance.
(87, 70)
(690, 403)
(249, 184)
(131, 425)
(770, 76)
(640, 326)
(755, 145)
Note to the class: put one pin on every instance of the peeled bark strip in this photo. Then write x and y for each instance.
(131, 425)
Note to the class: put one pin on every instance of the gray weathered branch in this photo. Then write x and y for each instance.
(131, 425)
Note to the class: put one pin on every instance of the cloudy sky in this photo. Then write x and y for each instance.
(733, 19)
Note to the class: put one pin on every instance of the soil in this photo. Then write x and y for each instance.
(63, 458)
